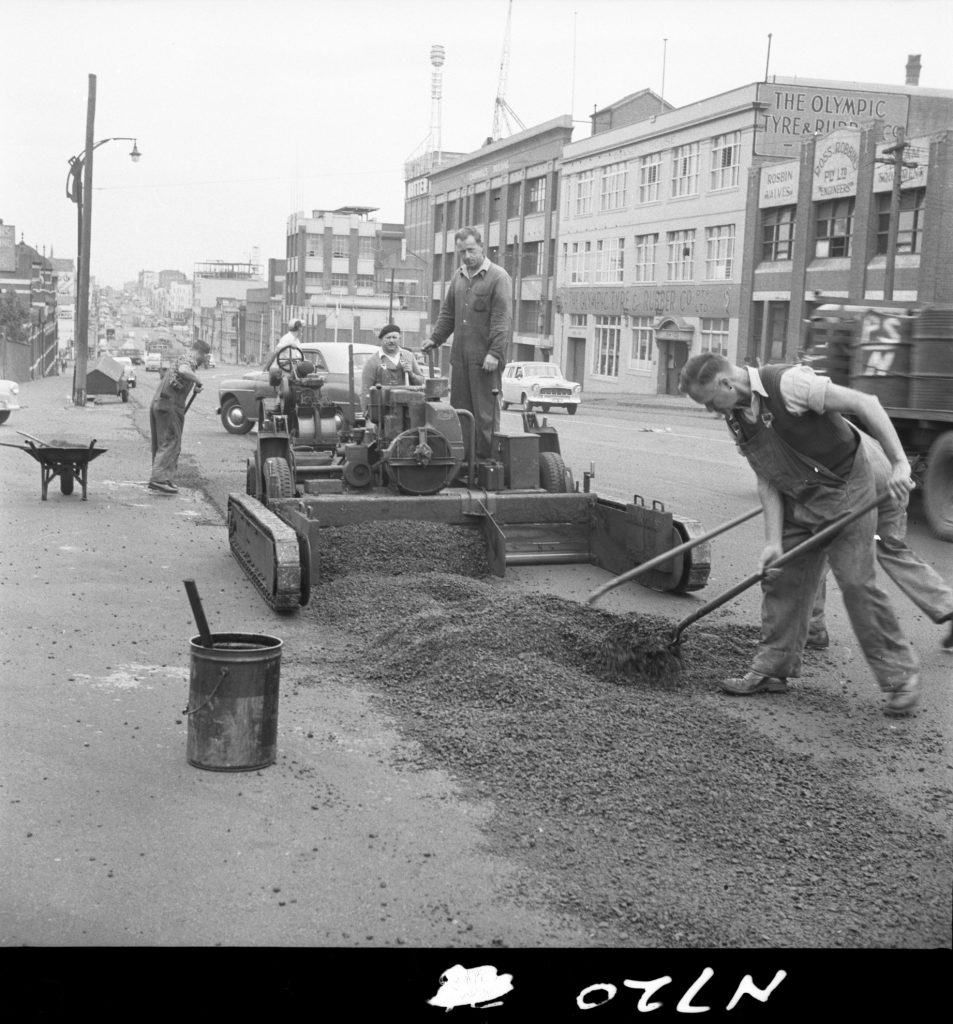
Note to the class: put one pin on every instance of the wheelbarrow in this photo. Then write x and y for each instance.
(69, 461)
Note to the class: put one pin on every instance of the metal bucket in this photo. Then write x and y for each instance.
(233, 702)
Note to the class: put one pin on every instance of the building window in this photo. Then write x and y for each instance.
(339, 280)
(366, 249)
(582, 193)
(452, 223)
(834, 225)
(532, 263)
(910, 224)
(719, 252)
(608, 341)
(513, 199)
(537, 195)
(725, 160)
(479, 208)
(645, 246)
(439, 214)
(714, 335)
(578, 319)
(340, 246)
(614, 180)
(685, 170)
(650, 174)
(777, 233)
(315, 244)
(681, 255)
(365, 281)
(609, 259)
(643, 343)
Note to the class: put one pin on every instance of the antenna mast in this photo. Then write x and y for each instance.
(502, 111)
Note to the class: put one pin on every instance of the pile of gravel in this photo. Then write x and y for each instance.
(634, 802)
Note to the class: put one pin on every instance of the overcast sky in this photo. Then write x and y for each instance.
(246, 111)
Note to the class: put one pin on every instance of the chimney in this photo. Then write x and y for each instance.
(913, 69)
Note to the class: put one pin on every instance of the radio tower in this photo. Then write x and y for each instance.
(437, 57)
(502, 111)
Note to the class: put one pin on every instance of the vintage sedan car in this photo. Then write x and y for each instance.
(539, 386)
(239, 398)
(126, 363)
(9, 398)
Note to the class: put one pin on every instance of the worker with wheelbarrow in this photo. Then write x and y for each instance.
(811, 469)
(171, 401)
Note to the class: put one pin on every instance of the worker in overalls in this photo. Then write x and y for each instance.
(477, 311)
(811, 468)
(167, 417)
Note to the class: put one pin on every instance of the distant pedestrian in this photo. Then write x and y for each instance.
(167, 417)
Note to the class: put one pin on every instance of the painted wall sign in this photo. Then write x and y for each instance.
(836, 161)
(418, 187)
(918, 152)
(792, 113)
(713, 301)
(779, 184)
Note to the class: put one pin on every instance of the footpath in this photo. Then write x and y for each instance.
(109, 836)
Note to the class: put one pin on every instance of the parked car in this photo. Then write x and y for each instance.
(9, 398)
(153, 362)
(126, 362)
(539, 385)
(239, 397)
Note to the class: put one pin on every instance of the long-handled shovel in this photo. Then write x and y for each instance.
(666, 556)
(813, 541)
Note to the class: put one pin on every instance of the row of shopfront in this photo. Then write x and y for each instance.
(627, 279)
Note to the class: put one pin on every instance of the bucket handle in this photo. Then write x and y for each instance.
(221, 678)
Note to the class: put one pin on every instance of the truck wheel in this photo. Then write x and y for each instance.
(233, 419)
(938, 487)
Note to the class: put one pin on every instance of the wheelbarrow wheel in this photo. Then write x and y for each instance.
(66, 483)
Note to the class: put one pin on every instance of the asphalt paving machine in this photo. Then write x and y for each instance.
(403, 457)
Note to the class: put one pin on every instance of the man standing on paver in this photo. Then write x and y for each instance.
(477, 311)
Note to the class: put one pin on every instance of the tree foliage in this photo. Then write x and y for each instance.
(14, 316)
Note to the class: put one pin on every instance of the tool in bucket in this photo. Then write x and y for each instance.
(667, 556)
(233, 697)
(815, 540)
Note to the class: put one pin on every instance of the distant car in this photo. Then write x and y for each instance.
(126, 362)
(539, 386)
(153, 362)
(9, 398)
(238, 397)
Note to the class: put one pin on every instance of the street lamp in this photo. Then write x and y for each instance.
(79, 190)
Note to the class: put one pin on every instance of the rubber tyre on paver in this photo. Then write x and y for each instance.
(279, 483)
(552, 473)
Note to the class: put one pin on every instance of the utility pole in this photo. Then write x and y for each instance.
(894, 156)
(85, 235)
